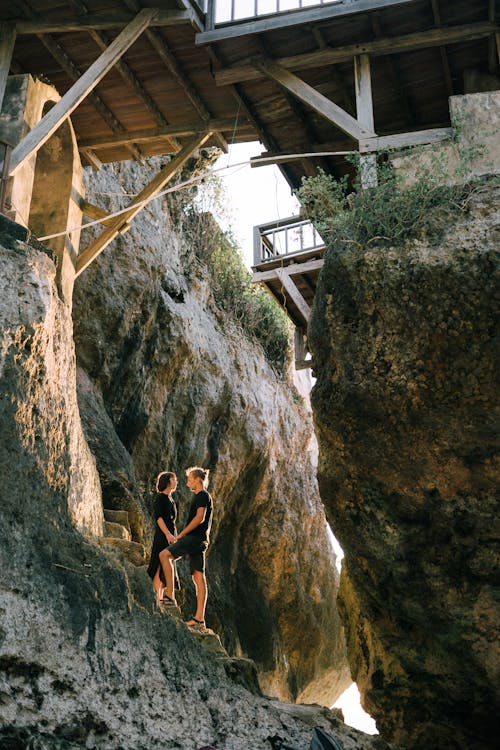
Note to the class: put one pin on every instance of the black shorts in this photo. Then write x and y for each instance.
(194, 547)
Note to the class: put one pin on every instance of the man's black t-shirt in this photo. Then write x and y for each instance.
(201, 500)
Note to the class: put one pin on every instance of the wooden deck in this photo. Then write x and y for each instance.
(184, 74)
(149, 77)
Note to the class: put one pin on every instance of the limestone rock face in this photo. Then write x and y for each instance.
(86, 659)
(44, 452)
(166, 382)
(404, 407)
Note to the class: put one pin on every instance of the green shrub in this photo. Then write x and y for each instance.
(387, 214)
(249, 306)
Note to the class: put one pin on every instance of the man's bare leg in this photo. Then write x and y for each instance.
(167, 564)
(200, 584)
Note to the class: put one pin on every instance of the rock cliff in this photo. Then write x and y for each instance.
(167, 381)
(405, 402)
(86, 659)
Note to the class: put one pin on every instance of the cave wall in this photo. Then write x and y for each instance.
(405, 350)
(167, 381)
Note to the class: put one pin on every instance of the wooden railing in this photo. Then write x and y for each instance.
(285, 237)
(231, 11)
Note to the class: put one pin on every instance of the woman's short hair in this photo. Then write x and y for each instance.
(163, 480)
(199, 473)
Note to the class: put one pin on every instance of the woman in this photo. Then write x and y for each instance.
(165, 512)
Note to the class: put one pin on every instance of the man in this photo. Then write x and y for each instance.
(193, 540)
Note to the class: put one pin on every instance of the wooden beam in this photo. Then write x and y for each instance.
(75, 74)
(442, 50)
(375, 48)
(294, 294)
(122, 221)
(364, 110)
(294, 18)
(313, 99)
(93, 211)
(393, 72)
(265, 159)
(493, 41)
(402, 140)
(35, 139)
(295, 269)
(92, 159)
(106, 21)
(7, 41)
(143, 136)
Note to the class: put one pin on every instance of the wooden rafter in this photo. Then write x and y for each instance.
(295, 269)
(105, 21)
(376, 48)
(313, 99)
(7, 41)
(159, 44)
(103, 42)
(393, 73)
(442, 50)
(59, 54)
(35, 139)
(364, 111)
(152, 134)
(118, 223)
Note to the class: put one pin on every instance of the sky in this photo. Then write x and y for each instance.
(255, 196)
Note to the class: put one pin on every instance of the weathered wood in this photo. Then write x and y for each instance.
(266, 159)
(393, 73)
(364, 110)
(295, 269)
(401, 140)
(294, 294)
(119, 222)
(375, 48)
(294, 18)
(143, 136)
(92, 159)
(7, 41)
(93, 211)
(313, 99)
(89, 22)
(442, 50)
(35, 139)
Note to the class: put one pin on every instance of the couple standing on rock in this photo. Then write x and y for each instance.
(169, 546)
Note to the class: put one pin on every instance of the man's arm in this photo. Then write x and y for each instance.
(199, 518)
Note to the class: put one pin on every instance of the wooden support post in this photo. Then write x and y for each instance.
(364, 110)
(314, 99)
(119, 222)
(7, 41)
(294, 294)
(89, 80)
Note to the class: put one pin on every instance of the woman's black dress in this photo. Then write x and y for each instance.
(164, 508)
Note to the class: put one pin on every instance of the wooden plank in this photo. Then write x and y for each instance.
(293, 18)
(35, 139)
(375, 48)
(267, 158)
(122, 221)
(313, 99)
(401, 140)
(93, 211)
(364, 110)
(7, 41)
(152, 134)
(106, 21)
(293, 270)
(294, 294)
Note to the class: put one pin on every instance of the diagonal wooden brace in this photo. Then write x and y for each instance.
(35, 139)
(115, 225)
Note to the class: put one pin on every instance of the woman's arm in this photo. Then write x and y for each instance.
(163, 526)
(199, 518)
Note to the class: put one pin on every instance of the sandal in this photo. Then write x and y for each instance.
(194, 623)
(168, 601)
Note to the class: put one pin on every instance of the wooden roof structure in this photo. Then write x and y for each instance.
(148, 77)
(180, 75)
